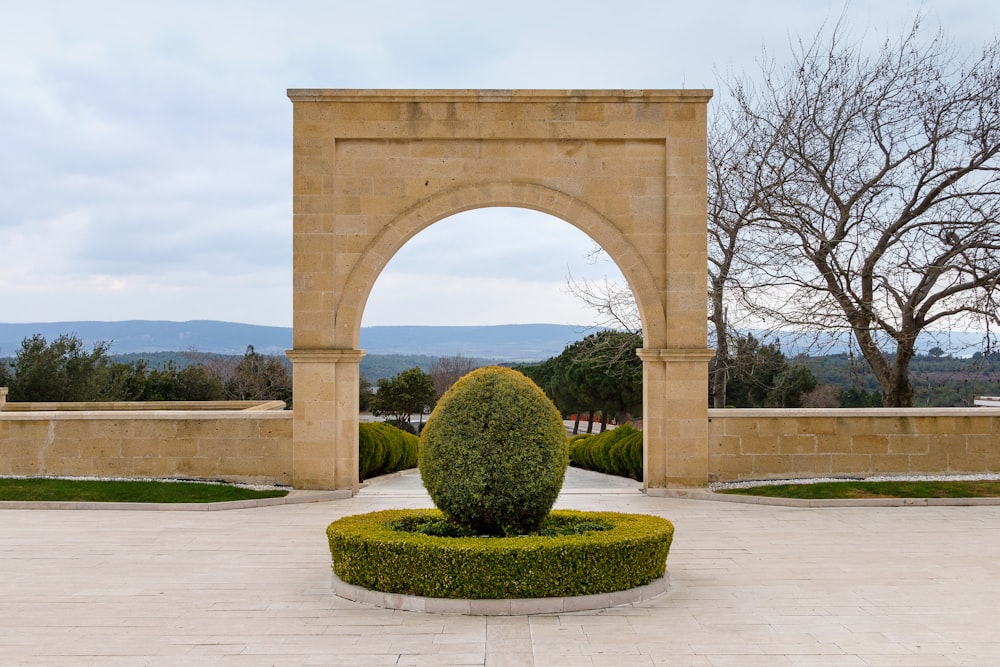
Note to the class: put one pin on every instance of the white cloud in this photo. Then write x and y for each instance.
(146, 147)
(488, 266)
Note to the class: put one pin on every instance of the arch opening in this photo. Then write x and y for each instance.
(498, 266)
(487, 266)
(433, 210)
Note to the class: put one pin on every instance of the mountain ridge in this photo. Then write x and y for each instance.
(505, 342)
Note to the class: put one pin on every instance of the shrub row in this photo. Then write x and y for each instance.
(383, 448)
(368, 552)
(614, 452)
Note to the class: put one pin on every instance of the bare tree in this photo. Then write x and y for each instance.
(735, 190)
(735, 193)
(447, 370)
(613, 302)
(881, 192)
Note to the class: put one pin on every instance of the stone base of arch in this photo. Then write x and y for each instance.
(325, 420)
(675, 417)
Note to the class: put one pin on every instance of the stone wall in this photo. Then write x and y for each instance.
(256, 446)
(774, 444)
(92, 406)
(251, 446)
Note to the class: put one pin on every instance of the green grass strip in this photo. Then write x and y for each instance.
(852, 490)
(126, 491)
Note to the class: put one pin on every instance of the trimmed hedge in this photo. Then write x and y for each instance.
(368, 552)
(383, 448)
(614, 452)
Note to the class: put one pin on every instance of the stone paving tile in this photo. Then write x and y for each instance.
(668, 660)
(910, 660)
(509, 658)
(749, 585)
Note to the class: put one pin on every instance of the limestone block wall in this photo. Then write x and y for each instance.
(233, 445)
(773, 444)
(92, 406)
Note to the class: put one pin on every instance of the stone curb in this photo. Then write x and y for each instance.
(701, 494)
(512, 607)
(293, 498)
(296, 497)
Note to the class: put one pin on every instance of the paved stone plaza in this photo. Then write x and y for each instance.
(749, 585)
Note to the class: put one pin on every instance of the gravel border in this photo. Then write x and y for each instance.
(749, 484)
(711, 495)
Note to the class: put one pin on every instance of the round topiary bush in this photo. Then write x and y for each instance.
(494, 453)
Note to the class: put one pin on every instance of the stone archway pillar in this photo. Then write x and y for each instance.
(325, 421)
(675, 417)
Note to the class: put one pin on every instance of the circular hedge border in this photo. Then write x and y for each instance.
(369, 553)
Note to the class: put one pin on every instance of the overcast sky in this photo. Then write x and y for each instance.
(145, 147)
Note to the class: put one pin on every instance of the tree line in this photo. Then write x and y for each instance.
(64, 370)
(601, 377)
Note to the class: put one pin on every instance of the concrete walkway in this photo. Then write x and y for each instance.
(749, 585)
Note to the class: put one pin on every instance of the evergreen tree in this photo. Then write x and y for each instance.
(410, 392)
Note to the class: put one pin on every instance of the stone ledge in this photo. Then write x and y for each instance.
(617, 96)
(873, 413)
(146, 415)
(512, 607)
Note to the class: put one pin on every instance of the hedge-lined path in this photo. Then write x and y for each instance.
(749, 585)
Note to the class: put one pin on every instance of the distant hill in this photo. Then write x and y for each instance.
(510, 342)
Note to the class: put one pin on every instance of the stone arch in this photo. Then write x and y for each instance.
(513, 194)
(372, 168)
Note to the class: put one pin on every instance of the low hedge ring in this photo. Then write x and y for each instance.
(369, 553)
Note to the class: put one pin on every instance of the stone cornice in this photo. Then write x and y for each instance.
(694, 354)
(325, 356)
(700, 96)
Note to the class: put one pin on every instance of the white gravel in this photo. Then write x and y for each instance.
(876, 478)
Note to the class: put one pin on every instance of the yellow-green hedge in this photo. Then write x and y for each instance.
(367, 552)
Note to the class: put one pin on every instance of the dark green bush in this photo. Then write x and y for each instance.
(402, 426)
(371, 451)
(614, 452)
(580, 447)
(383, 449)
(493, 453)
(368, 552)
